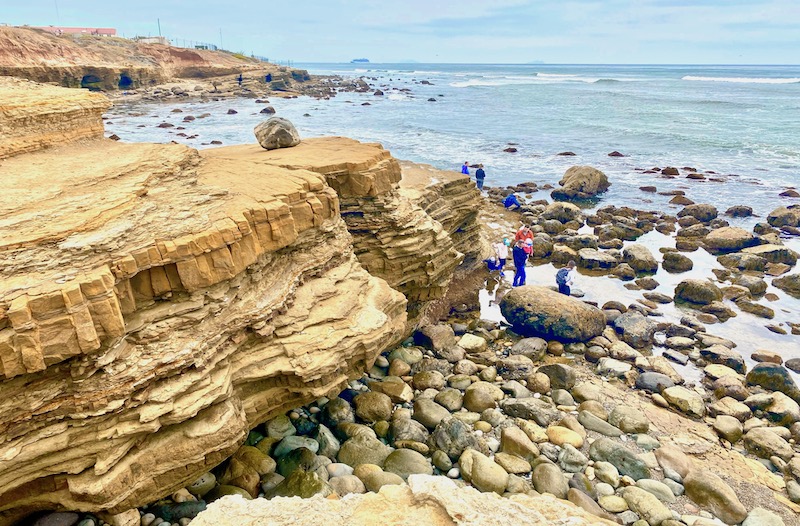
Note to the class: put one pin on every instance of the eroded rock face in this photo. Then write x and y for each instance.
(581, 182)
(426, 500)
(34, 116)
(165, 303)
(539, 311)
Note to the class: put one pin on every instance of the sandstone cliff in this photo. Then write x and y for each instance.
(33, 116)
(158, 302)
(109, 63)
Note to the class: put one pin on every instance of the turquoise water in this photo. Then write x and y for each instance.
(742, 122)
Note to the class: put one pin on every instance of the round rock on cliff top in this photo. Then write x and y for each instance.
(539, 311)
(276, 132)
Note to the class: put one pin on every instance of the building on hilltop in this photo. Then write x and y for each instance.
(97, 31)
(152, 40)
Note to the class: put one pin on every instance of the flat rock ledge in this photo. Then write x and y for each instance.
(428, 500)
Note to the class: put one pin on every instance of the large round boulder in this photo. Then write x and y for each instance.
(699, 291)
(276, 132)
(539, 311)
(581, 182)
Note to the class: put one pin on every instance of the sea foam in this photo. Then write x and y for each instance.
(744, 80)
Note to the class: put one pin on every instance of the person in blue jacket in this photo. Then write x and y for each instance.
(465, 168)
(512, 200)
(520, 259)
(480, 175)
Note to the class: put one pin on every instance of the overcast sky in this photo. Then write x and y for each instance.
(476, 31)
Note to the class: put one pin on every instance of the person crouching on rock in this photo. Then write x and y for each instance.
(565, 277)
(480, 175)
(520, 259)
(511, 200)
(465, 168)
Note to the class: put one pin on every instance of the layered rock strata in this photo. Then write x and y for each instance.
(156, 304)
(34, 116)
(425, 500)
(411, 234)
(111, 63)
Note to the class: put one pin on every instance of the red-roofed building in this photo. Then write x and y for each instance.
(99, 31)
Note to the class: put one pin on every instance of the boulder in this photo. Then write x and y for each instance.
(562, 212)
(547, 478)
(276, 132)
(540, 311)
(785, 216)
(687, 401)
(729, 239)
(581, 182)
(639, 258)
(774, 377)
(636, 329)
(482, 472)
(766, 443)
(676, 262)
(698, 291)
(701, 212)
(712, 493)
(646, 505)
(607, 450)
(591, 258)
(453, 437)
(789, 283)
(774, 253)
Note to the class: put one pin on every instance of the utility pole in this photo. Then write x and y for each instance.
(159, 26)
(220, 39)
(58, 17)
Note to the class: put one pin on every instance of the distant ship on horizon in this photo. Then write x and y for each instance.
(358, 60)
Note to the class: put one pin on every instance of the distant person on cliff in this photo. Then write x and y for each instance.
(480, 175)
(512, 200)
(520, 259)
(465, 168)
(565, 277)
(239, 79)
(268, 77)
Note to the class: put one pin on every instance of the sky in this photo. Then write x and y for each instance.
(455, 31)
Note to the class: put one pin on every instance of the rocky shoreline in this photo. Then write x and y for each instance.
(590, 415)
(585, 401)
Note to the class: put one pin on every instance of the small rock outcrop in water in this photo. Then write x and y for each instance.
(581, 182)
(276, 132)
(539, 311)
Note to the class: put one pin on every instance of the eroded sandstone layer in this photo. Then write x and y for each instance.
(110, 63)
(157, 303)
(34, 116)
(428, 500)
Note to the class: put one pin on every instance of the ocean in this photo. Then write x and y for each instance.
(740, 122)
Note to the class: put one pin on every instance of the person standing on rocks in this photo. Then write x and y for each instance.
(480, 175)
(524, 233)
(465, 168)
(565, 277)
(501, 251)
(239, 79)
(520, 259)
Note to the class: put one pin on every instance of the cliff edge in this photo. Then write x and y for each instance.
(157, 302)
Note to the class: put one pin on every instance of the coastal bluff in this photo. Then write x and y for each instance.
(157, 302)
